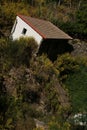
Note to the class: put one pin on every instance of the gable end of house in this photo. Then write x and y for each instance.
(31, 25)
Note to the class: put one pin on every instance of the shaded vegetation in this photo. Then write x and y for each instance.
(76, 84)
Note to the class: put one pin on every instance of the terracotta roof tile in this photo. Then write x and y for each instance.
(45, 28)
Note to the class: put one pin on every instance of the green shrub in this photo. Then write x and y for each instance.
(16, 53)
(66, 64)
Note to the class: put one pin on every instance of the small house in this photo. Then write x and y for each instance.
(50, 39)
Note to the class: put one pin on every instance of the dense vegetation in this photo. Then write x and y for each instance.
(78, 94)
(28, 86)
(28, 83)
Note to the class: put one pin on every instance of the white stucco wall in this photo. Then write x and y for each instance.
(19, 28)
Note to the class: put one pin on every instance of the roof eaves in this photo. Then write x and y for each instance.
(30, 24)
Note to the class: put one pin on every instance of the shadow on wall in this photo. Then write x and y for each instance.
(53, 48)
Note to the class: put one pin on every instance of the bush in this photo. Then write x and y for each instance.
(66, 64)
(16, 53)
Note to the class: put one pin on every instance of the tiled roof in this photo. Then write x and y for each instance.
(45, 28)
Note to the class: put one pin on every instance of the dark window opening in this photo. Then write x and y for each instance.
(24, 31)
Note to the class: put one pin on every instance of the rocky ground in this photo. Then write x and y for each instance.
(79, 47)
